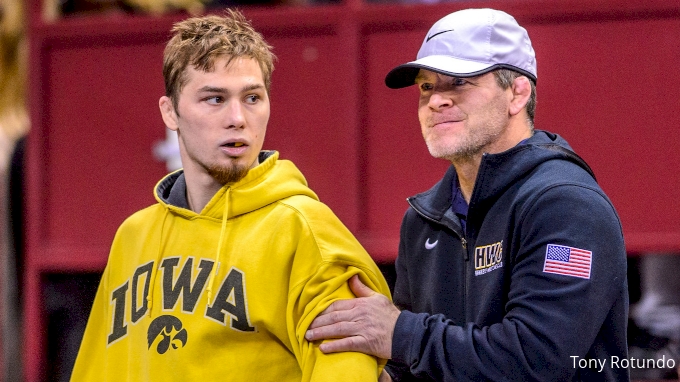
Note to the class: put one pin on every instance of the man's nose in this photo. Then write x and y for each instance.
(439, 100)
(235, 116)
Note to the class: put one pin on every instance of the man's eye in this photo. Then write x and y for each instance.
(215, 100)
(459, 82)
(426, 86)
(252, 98)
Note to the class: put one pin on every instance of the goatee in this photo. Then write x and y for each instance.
(228, 174)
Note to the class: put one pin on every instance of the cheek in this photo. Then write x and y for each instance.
(262, 126)
(424, 116)
(423, 103)
(261, 116)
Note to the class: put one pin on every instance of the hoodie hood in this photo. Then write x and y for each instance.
(497, 172)
(252, 192)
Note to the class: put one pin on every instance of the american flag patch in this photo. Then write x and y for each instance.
(568, 261)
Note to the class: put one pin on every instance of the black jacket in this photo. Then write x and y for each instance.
(478, 305)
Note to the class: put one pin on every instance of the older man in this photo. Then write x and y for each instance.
(513, 266)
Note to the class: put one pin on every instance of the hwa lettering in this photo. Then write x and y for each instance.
(488, 258)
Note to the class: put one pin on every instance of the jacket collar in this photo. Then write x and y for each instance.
(496, 173)
(435, 203)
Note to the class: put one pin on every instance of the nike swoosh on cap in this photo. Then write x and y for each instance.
(437, 34)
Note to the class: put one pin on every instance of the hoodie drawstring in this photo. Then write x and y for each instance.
(157, 265)
(159, 256)
(223, 235)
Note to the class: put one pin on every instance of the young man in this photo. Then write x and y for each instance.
(221, 278)
(513, 266)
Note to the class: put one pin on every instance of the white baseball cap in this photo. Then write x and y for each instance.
(468, 43)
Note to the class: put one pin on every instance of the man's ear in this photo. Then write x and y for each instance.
(168, 113)
(521, 91)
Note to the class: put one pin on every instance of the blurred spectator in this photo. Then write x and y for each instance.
(656, 316)
(13, 126)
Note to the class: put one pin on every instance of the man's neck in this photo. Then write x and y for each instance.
(200, 189)
(467, 168)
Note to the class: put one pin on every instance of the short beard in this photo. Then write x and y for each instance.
(471, 147)
(463, 153)
(227, 174)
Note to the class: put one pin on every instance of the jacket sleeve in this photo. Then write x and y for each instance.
(402, 294)
(549, 318)
(341, 257)
(402, 298)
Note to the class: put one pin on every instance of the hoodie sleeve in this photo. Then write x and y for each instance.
(549, 318)
(328, 255)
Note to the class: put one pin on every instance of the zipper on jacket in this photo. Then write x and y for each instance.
(463, 243)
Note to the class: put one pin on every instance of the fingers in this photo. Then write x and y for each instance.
(339, 305)
(338, 311)
(337, 330)
(358, 288)
(346, 344)
(330, 318)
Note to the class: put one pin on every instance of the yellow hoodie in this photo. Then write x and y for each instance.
(227, 294)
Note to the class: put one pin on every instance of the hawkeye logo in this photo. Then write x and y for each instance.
(488, 258)
(169, 329)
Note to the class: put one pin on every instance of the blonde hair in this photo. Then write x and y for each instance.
(199, 41)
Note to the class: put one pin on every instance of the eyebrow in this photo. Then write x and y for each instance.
(418, 77)
(214, 89)
(423, 77)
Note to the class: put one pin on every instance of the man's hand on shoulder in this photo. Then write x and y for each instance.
(364, 324)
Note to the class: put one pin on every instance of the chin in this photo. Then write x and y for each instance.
(228, 174)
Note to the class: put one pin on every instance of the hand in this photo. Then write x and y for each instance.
(364, 324)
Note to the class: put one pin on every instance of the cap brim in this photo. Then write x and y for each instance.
(404, 75)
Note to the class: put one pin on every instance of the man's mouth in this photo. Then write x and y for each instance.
(235, 149)
(445, 122)
(235, 144)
